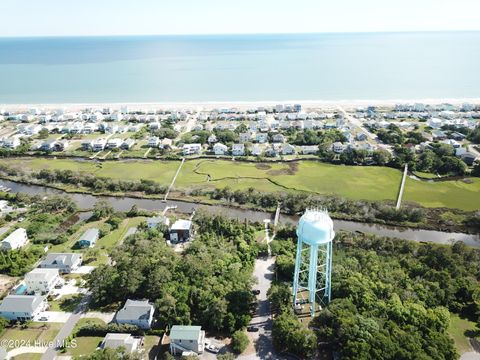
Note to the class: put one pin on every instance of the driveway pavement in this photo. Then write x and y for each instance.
(67, 328)
(54, 316)
(262, 339)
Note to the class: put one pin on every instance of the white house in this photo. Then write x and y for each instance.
(185, 338)
(63, 262)
(309, 149)
(99, 144)
(238, 149)
(192, 149)
(288, 149)
(114, 143)
(22, 307)
(256, 150)
(338, 147)
(11, 143)
(153, 141)
(15, 240)
(41, 281)
(220, 149)
(136, 312)
(117, 340)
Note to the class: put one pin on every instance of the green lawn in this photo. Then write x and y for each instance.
(67, 303)
(43, 332)
(457, 329)
(114, 237)
(85, 345)
(354, 182)
(28, 356)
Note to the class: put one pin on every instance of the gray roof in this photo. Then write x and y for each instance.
(135, 309)
(185, 332)
(90, 235)
(67, 259)
(21, 303)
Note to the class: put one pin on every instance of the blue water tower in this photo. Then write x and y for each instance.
(313, 262)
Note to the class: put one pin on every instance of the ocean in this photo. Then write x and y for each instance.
(359, 66)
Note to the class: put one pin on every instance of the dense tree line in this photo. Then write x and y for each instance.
(98, 184)
(294, 203)
(208, 284)
(391, 298)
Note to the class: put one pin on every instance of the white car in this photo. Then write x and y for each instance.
(213, 349)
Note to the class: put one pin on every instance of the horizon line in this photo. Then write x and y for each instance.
(238, 34)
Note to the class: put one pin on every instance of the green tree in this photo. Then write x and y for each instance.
(239, 341)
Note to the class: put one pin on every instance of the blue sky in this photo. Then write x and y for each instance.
(136, 17)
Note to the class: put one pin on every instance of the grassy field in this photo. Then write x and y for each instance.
(457, 329)
(354, 182)
(34, 332)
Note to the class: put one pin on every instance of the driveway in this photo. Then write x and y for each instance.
(67, 328)
(69, 288)
(262, 340)
(54, 316)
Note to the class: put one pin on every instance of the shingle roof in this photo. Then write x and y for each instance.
(185, 332)
(20, 303)
(135, 309)
(67, 259)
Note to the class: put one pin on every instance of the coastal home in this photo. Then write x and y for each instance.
(238, 149)
(244, 137)
(22, 307)
(11, 143)
(439, 135)
(337, 147)
(220, 149)
(114, 143)
(99, 144)
(361, 136)
(15, 240)
(288, 149)
(87, 145)
(117, 340)
(309, 149)
(42, 281)
(261, 138)
(192, 149)
(127, 144)
(136, 312)
(212, 139)
(469, 158)
(65, 263)
(154, 221)
(88, 238)
(181, 231)
(165, 143)
(256, 150)
(184, 338)
(278, 138)
(153, 141)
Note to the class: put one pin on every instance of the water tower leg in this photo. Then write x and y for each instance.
(312, 277)
(298, 264)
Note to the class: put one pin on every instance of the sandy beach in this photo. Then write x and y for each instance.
(242, 105)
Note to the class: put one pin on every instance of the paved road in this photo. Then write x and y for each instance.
(355, 122)
(67, 328)
(262, 319)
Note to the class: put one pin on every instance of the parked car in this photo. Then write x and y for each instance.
(212, 348)
(252, 329)
(43, 318)
(256, 292)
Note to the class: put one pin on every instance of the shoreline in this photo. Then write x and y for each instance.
(198, 105)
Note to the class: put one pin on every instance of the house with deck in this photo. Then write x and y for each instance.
(89, 238)
(186, 338)
(181, 231)
(42, 281)
(121, 340)
(15, 240)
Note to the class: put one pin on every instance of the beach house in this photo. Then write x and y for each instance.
(89, 238)
(42, 281)
(186, 338)
(220, 149)
(121, 340)
(181, 231)
(238, 149)
(136, 312)
(22, 307)
(64, 262)
(15, 240)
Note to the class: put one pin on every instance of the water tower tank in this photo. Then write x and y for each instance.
(313, 262)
